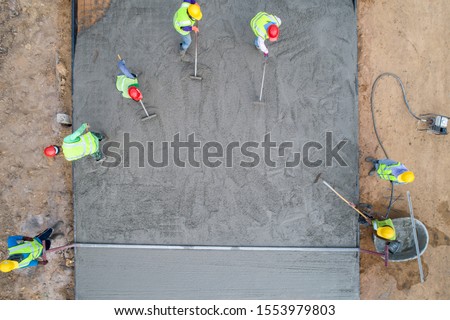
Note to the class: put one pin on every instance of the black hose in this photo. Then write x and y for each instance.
(401, 86)
(388, 210)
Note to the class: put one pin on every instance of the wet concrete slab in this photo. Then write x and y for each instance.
(310, 99)
(174, 274)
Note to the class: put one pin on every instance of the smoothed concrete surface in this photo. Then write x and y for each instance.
(174, 274)
(310, 89)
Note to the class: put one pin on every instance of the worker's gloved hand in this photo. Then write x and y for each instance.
(27, 239)
(43, 262)
(195, 29)
(266, 55)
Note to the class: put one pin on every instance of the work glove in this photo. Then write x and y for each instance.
(195, 29)
(27, 239)
(43, 262)
(266, 55)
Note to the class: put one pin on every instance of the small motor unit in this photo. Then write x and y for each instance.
(439, 125)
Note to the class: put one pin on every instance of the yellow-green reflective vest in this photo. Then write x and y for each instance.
(32, 248)
(181, 19)
(259, 21)
(87, 145)
(123, 83)
(384, 223)
(385, 171)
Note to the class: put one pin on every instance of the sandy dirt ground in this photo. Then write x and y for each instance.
(411, 39)
(35, 69)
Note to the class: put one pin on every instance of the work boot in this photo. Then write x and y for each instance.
(182, 51)
(370, 159)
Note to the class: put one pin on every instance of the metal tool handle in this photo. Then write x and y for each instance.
(196, 48)
(416, 241)
(262, 82)
(143, 107)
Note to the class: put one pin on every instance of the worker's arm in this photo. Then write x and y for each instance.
(14, 240)
(262, 46)
(190, 1)
(33, 263)
(74, 137)
(387, 162)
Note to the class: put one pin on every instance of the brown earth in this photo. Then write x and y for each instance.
(409, 38)
(35, 84)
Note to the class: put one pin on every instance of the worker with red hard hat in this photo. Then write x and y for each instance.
(78, 145)
(265, 26)
(127, 82)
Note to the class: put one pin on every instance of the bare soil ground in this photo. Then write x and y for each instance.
(35, 84)
(410, 38)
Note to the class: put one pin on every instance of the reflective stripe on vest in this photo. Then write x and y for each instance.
(123, 83)
(32, 248)
(385, 172)
(181, 19)
(259, 21)
(87, 145)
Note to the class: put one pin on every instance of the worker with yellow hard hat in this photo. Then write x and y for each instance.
(24, 251)
(384, 229)
(184, 22)
(390, 170)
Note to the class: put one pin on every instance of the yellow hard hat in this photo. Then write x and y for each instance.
(386, 232)
(406, 177)
(8, 265)
(195, 11)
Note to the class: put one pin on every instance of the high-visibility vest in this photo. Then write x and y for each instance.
(123, 83)
(88, 144)
(32, 248)
(384, 223)
(182, 19)
(385, 172)
(259, 21)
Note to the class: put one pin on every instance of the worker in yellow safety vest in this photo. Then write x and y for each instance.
(25, 252)
(78, 145)
(265, 26)
(184, 22)
(390, 170)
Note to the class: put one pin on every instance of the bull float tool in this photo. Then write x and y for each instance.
(195, 76)
(260, 102)
(385, 255)
(350, 204)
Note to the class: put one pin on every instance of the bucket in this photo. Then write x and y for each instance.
(404, 231)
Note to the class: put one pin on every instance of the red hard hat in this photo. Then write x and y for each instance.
(273, 32)
(51, 151)
(134, 93)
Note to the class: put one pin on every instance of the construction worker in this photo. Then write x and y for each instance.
(24, 251)
(184, 20)
(127, 82)
(384, 229)
(391, 170)
(78, 145)
(265, 26)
